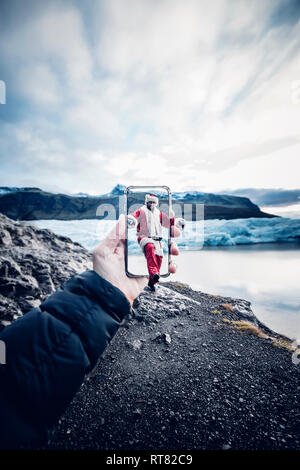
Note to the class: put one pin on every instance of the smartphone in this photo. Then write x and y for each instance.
(148, 214)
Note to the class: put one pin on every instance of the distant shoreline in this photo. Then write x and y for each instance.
(35, 204)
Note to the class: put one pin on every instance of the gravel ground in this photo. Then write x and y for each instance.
(180, 374)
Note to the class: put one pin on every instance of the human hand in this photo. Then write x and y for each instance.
(109, 261)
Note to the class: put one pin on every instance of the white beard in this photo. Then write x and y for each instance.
(153, 221)
(154, 229)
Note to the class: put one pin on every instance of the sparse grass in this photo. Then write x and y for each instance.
(249, 328)
(228, 307)
(283, 343)
(180, 285)
(216, 312)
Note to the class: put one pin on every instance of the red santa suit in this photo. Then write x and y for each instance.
(149, 231)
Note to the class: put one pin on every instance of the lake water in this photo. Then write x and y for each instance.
(266, 274)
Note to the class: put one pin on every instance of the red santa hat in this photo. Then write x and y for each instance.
(151, 198)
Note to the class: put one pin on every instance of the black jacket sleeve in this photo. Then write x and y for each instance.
(48, 352)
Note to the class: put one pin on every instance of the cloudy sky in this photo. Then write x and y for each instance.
(194, 94)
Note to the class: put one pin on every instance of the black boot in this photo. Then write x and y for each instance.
(151, 286)
(153, 281)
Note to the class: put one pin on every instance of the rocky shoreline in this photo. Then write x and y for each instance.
(187, 370)
(33, 263)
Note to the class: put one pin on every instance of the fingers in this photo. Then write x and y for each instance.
(174, 249)
(172, 267)
(115, 236)
(175, 232)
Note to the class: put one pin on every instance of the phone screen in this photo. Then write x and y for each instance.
(148, 211)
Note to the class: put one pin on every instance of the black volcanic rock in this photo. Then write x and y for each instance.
(34, 203)
(33, 263)
(182, 374)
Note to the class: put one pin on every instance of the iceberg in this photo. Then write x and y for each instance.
(252, 230)
(215, 232)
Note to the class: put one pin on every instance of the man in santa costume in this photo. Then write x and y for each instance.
(149, 221)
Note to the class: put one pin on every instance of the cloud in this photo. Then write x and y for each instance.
(54, 35)
(40, 85)
(186, 93)
(227, 157)
(265, 171)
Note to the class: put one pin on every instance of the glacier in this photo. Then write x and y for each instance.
(252, 230)
(215, 232)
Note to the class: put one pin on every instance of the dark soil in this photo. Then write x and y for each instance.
(180, 377)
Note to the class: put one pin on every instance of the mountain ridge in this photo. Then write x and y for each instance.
(34, 203)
